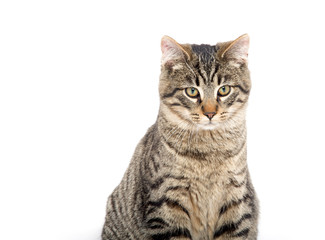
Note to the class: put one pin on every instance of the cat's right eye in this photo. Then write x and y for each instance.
(192, 92)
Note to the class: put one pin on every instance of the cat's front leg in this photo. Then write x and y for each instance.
(242, 228)
(159, 229)
(167, 219)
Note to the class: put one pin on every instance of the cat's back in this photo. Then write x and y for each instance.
(124, 218)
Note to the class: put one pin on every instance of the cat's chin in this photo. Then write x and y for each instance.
(208, 126)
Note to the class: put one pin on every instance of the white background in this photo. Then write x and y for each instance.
(79, 88)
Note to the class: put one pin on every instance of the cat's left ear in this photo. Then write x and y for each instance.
(236, 50)
(172, 51)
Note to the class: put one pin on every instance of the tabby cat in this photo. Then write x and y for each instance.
(188, 178)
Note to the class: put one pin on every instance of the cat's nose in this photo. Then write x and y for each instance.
(210, 115)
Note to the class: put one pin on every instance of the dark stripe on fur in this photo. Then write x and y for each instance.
(176, 204)
(237, 184)
(242, 233)
(197, 81)
(171, 94)
(215, 72)
(231, 227)
(156, 163)
(177, 188)
(242, 89)
(185, 102)
(175, 104)
(227, 206)
(225, 79)
(201, 75)
(224, 229)
(157, 220)
(206, 71)
(219, 79)
(157, 223)
(230, 100)
(170, 203)
(243, 170)
(179, 232)
(159, 181)
(114, 210)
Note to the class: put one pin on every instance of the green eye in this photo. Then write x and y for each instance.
(192, 92)
(224, 91)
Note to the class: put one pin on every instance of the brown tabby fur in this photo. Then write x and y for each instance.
(188, 178)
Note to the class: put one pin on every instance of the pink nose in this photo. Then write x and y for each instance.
(210, 115)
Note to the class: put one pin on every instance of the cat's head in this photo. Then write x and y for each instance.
(204, 85)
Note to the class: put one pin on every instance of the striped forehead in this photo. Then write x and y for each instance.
(206, 65)
(204, 52)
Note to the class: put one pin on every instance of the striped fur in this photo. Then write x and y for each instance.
(188, 178)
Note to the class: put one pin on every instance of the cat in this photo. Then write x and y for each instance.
(188, 178)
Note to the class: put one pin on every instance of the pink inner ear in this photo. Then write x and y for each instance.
(243, 47)
(238, 49)
(240, 52)
(170, 50)
(165, 47)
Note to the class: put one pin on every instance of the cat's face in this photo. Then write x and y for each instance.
(202, 85)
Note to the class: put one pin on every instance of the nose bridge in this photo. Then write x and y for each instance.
(209, 104)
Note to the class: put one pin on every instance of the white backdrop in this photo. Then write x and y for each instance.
(79, 88)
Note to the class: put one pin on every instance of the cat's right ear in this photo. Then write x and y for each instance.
(172, 51)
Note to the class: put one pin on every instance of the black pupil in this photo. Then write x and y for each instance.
(223, 89)
(193, 90)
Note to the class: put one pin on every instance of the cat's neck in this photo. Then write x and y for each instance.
(187, 139)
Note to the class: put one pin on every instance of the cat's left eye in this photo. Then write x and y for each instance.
(224, 91)
(192, 92)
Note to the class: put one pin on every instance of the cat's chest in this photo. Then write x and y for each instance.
(206, 195)
(206, 199)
